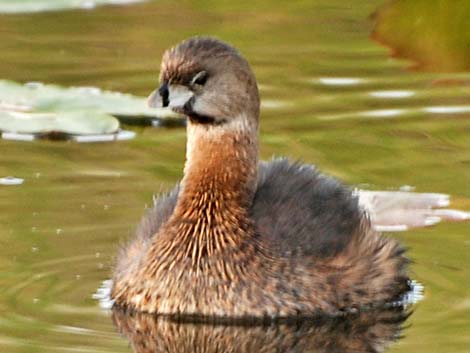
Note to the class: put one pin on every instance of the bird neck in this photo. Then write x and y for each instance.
(220, 172)
(212, 214)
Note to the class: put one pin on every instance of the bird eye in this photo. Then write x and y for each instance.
(199, 79)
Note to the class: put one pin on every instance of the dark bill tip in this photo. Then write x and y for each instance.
(159, 98)
(164, 93)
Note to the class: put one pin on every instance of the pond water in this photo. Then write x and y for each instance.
(331, 96)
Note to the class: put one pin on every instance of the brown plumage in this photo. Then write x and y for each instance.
(237, 239)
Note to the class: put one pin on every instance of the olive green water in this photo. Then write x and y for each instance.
(331, 97)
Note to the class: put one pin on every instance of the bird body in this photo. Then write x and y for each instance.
(237, 238)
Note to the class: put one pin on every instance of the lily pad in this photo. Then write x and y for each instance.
(38, 97)
(121, 135)
(32, 110)
(20, 6)
(397, 211)
(9, 180)
(73, 123)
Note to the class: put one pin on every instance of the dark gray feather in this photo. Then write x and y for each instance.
(295, 207)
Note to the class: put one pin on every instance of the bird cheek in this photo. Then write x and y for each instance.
(200, 106)
(178, 96)
(208, 104)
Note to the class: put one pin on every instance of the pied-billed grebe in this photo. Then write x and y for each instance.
(242, 239)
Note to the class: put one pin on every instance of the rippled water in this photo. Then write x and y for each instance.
(331, 96)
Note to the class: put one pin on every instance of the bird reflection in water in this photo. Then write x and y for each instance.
(369, 331)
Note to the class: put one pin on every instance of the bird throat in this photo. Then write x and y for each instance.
(212, 210)
(220, 171)
(210, 232)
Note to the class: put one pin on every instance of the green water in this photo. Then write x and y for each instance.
(60, 230)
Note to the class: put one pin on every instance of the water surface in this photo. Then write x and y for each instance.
(331, 97)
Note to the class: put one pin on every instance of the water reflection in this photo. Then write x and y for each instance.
(371, 331)
(434, 34)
